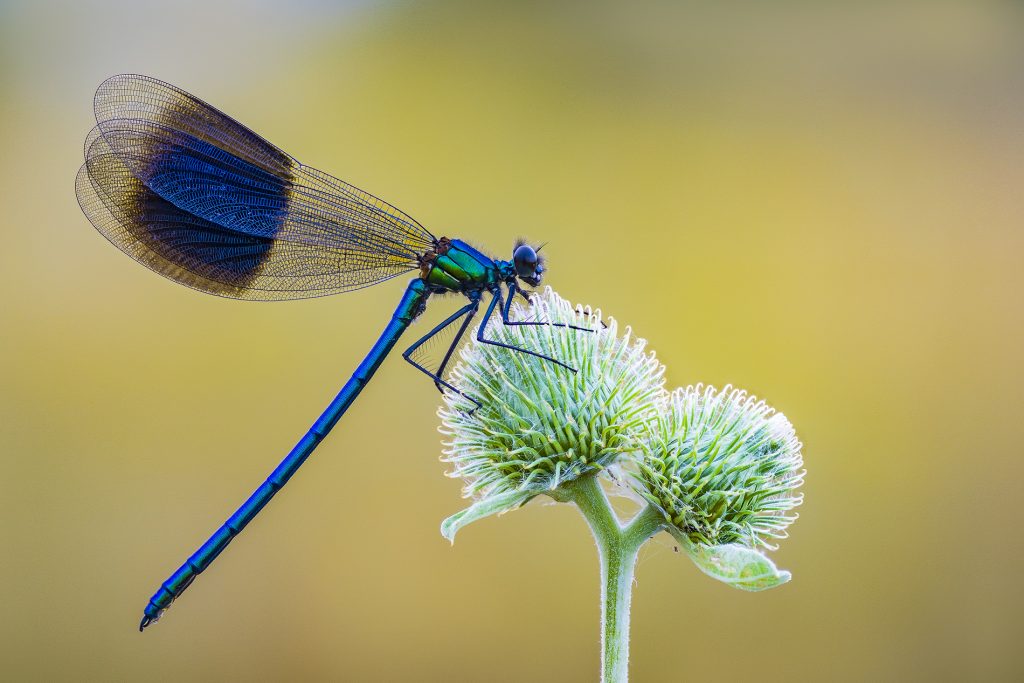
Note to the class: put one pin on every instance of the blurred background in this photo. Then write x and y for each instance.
(818, 202)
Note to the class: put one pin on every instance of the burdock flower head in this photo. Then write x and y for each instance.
(541, 425)
(723, 467)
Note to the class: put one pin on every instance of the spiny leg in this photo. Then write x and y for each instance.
(455, 342)
(495, 300)
(507, 307)
(469, 310)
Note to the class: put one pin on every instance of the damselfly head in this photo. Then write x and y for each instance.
(529, 265)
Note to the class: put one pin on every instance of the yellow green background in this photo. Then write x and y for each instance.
(818, 202)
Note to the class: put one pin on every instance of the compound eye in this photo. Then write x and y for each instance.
(525, 259)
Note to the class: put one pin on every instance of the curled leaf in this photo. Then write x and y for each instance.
(734, 564)
(485, 507)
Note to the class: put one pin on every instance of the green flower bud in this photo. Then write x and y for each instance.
(541, 425)
(723, 468)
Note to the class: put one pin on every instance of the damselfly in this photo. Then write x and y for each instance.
(194, 195)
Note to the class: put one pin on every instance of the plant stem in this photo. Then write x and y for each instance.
(618, 548)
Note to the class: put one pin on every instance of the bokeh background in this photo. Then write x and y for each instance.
(818, 202)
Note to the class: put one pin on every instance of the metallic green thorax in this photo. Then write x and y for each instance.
(455, 266)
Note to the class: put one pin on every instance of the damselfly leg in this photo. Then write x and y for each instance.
(496, 300)
(507, 308)
(466, 313)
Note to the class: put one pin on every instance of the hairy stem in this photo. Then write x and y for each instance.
(618, 547)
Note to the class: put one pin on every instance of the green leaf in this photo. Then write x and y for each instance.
(734, 564)
(492, 505)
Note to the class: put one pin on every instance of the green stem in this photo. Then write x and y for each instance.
(618, 547)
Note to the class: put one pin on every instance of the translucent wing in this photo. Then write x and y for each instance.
(248, 220)
(191, 250)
